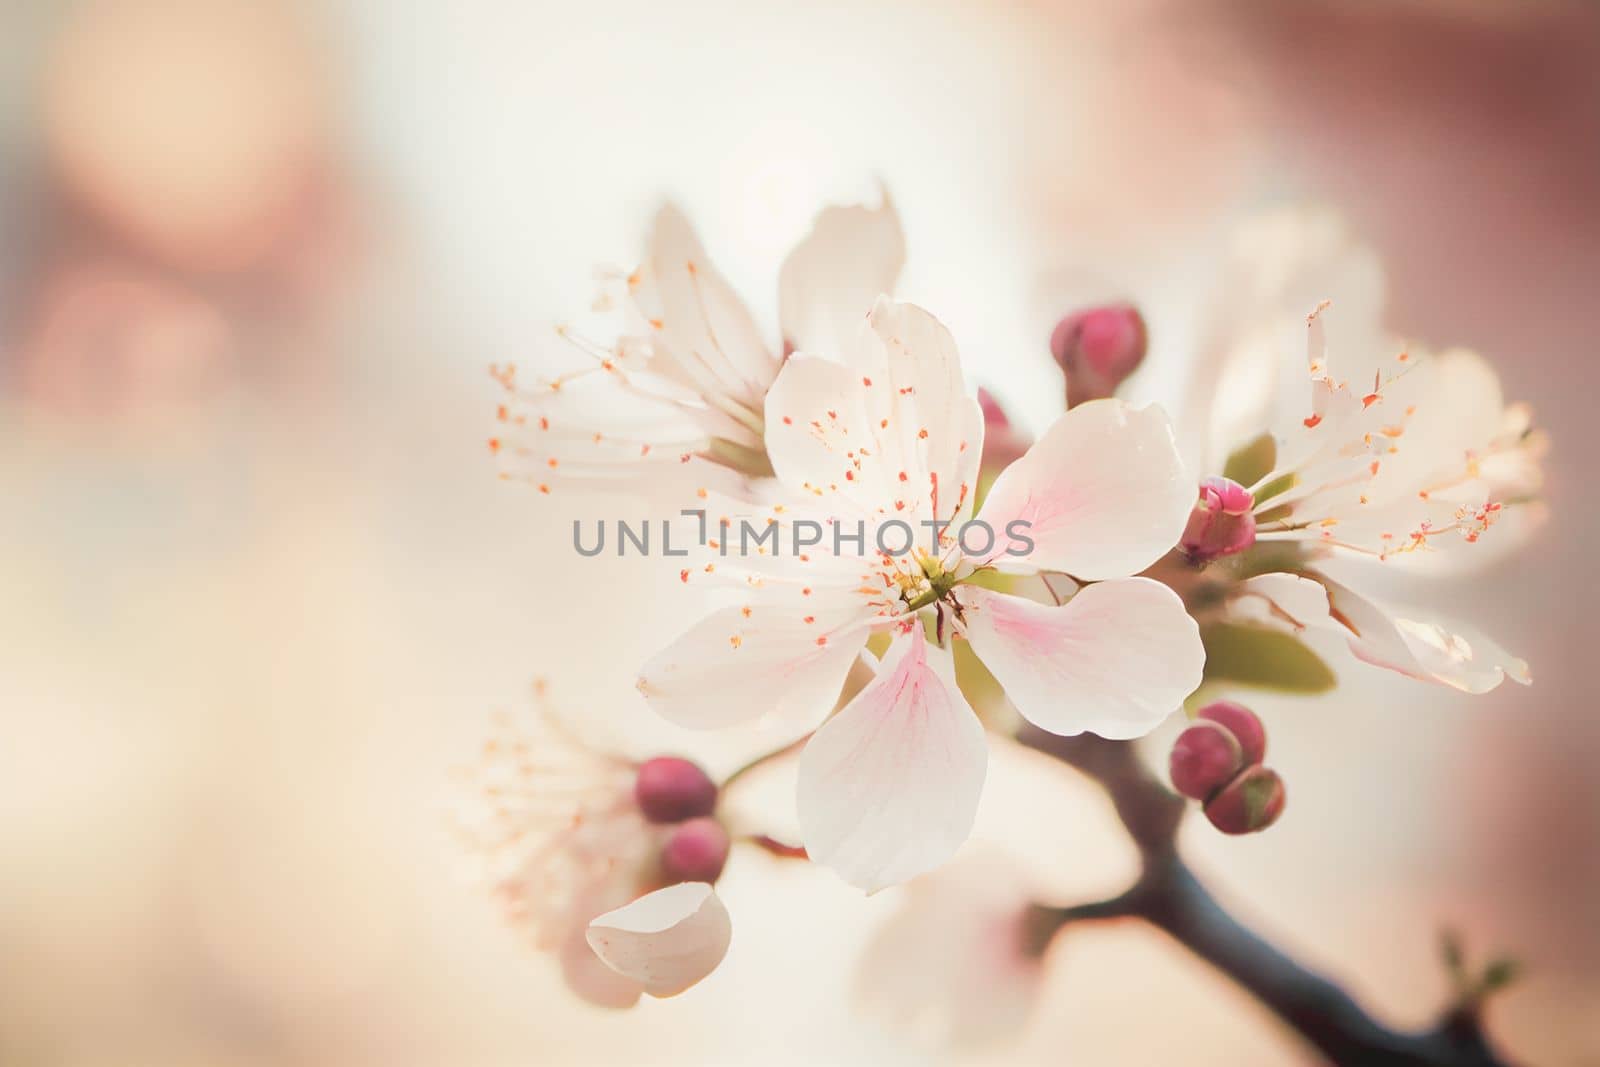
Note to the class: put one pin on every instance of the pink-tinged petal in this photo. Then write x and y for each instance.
(738, 664)
(1459, 657)
(591, 979)
(1115, 660)
(667, 940)
(889, 787)
(702, 333)
(830, 281)
(1102, 494)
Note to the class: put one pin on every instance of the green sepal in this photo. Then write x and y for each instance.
(1263, 658)
(1252, 462)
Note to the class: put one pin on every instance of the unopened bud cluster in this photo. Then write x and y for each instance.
(1217, 761)
(675, 792)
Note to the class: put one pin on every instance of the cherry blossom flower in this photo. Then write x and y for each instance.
(555, 827)
(686, 379)
(1424, 457)
(880, 445)
(1423, 460)
(1383, 453)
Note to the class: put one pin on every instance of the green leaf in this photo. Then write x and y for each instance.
(1252, 462)
(1198, 699)
(1241, 654)
(1499, 974)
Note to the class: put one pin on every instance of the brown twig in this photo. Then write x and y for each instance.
(1169, 897)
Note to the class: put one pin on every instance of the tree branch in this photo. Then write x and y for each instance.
(1169, 897)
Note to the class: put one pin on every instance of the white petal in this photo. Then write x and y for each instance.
(1104, 493)
(894, 432)
(1455, 413)
(704, 334)
(819, 418)
(1282, 263)
(667, 940)
(889, 786)
(830, 281)
(732, 667)
(591, 979)
(940, 421)
(1459, 657)
(1283, 601)
(1115, 660)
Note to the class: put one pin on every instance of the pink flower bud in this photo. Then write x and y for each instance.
(1002, 442)
(1205, 758)
(994, 416)
(1097, 349)
(1251, 802)
(1243, 723)
(1223, 521)
(696, 851)
(669, 789)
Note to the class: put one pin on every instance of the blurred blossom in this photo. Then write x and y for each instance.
(1378, 452)
(105, 339)
(190, 126)
(956, 964)
(687, 380)
(555, 831)
(555, 827)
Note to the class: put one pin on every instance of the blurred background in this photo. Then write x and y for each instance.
(262, 586)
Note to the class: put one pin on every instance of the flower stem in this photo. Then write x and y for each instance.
(1169, 897)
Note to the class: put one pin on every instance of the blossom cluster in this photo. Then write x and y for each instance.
(1133, 563)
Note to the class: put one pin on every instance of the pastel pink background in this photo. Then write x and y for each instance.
(262, 587)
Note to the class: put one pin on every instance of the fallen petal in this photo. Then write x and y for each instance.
(667, 940)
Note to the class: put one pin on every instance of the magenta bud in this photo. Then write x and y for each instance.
(1097, 349)
(994, 416)
(1205, 758)
(1223, 521)
(669, 789)
(695, 851)
(1243, 723)
(1250, 803)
